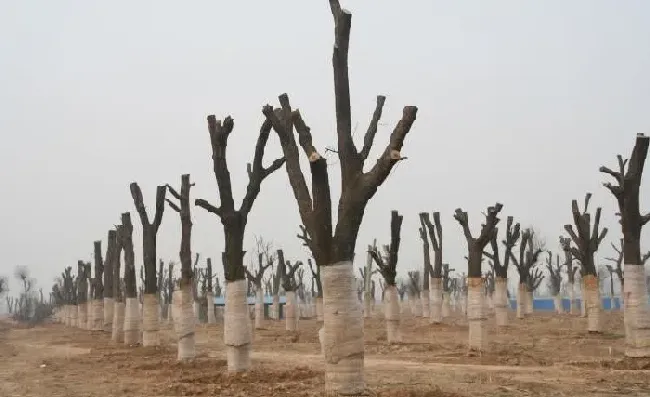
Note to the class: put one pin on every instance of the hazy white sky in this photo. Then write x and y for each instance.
(520, 102)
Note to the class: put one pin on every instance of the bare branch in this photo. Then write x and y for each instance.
(208, 207)
(369, 138)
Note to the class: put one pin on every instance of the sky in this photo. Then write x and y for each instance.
(519, 102)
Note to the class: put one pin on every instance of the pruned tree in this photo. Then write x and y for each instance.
(475, 309)
(571, 270)
(626, 191)
(117, 333)
(70, 293)
(401, 289)
(529, 251)
(131, 309)
(618, 264)
(111, 244)
(150, 318)
(414, 289)
(197, 276)
(586, 244)
(343, 323)
(290, 286)
(237, 334)
(388, 270)
(98, 289)
(209, 293)
(555, 280)
(446, 290)
(317, 287)
(488, 282)
(256, 280)
(82, 297)
(501, 303)
(435, 272)
(366, 277)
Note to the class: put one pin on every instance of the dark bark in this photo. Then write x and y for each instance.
(129, 257)
(528, 258)
(208, 275)
(280, 270)
(475, 246)
(109, 263)
(618, 262)
(555, 273)
(428, 269)
(233, 220)
(446, 280)
(118, 292)
(82, 283)
(98, 290)
(626, 193)
(512, 236)
(289, 282)
(69, 286)
(315, 274)
(357, 186)
(183, 210)
(161, 280)
(149, 232)
(586, 242)
(565, 243)
(414, 283)
(256, 278)
(170, 281)
(388, 268)
(435, 234)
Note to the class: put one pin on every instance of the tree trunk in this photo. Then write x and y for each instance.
(592, 298)
(184, 322)
(392, 314)
(82, 315)
(446, 305)
(424, 303)
(275, 307)
(636, 311)
(476, 315)
(319, 308)
(290, 314)
(367, 304)
(436, 300)
(209, 300)
(118, 322)
(108, 314)
(529, 302)
(501, 301)
(132, 321)
(98, 314)
(343, 331)
(259, 309)
(150, 320)
(89, 314)
(237, 328)
(572, 298)
(73, 315)
(521, 300)
(557, 303)
(583, 298)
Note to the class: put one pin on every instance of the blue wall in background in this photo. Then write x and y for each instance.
(547, 304)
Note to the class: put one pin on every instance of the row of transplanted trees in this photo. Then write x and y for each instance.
(332, 246)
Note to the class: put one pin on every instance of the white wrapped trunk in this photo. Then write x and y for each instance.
(501, 301)
(343, 331)
(572, 298)
(73, 315)
(98, 314)
(592, 299)
(184, 322)
(209, 297)
(476, 315)
(89, 315)
(367, 304)
(132, 321)
(529, 302)
(150, 320)
(259, 309)
(108, 314)
(416, 309)
(521, 300)
(436, 300)
(117, 334)
(583, 298)
(319, 309)
(392, 314)
(237, 333)
(636, 311)
(290, 311)
(557, 302)
(424, 300)
(82, 315)
(446, 305)
(275, 308)
(197, 311)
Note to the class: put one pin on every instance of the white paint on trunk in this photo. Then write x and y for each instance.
(98, 314)
(82, 315)
(290, 312)
(108, 314)
(117, 334)
(89, 315)
(184, 321)
(424, 299)
(557, 303)
(259, 309)
(131, 321)
(521, 300)
(150, 320)
(209, 297)
(529, 302)
(321, 339)
(583, 298)
(636, 311)
(417, 306)
(572, 298)
(476, 315)
(197, 311)
(592, 298)
(436, 300)
(73, 315)
(275, 308)
(319, 309)
(446, 305)
(343, 331)
(392, 314)
(367, 304)
(501, 301)
(237, 333)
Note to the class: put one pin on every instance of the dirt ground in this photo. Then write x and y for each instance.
(545, 355)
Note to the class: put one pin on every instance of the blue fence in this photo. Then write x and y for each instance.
(548, 304)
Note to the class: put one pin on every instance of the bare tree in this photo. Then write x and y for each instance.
(529, 251)
(290, 285)
(343, 328)
(97, 318)
(626, 192)
(117, 334)
(150, 319)
(414, 289)
(571, 270)
(586, 244)
(555, 280)
(618, 264)
(388, 270)
(278, 274)
(446, 290)
(501, 270)
(82, 297)
(131, 309)
(435, 234)
(256, 279)
(316, 282)
(475, 246)
(111, 243)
